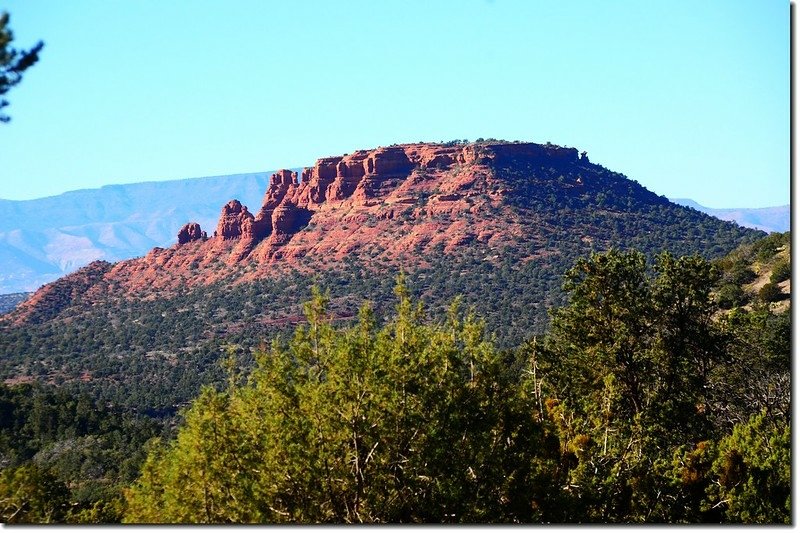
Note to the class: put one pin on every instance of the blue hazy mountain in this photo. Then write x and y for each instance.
(768, 219)
(45, 238)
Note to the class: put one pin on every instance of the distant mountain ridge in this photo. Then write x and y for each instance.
(45, 238)
(767, 219)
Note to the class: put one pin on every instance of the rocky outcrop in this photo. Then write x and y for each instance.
(287, 219)
(317, 179)
(350, 171)
(450, 174)
(234, 222)
(336, 179)
(386, 207)
(352, 165)
(191, 232)
(282, 186)
(388, 162)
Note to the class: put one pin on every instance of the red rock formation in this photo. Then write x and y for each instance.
(49, 300)
(385, 203)
(352, 166)
(440, 161)
(369, 178)
(191, 232)
(350, 170)
(282, 185)
(388, 162)
(234, 222)
(326, 167)
(287, 218)
(317, 180)
(316, 186)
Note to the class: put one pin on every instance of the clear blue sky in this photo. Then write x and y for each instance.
(688, 97)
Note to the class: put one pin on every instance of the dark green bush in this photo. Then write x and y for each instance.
(741, 274)
(770, 293)
(730, 296)
(782, 271)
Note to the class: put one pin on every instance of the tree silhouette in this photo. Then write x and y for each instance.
(12, 62)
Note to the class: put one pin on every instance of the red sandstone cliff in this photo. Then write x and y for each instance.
(389, 205)
(191, 232)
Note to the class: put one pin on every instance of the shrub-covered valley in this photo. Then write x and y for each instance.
(481, 332)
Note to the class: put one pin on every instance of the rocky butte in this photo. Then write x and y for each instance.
(386, 208)
(389, 203)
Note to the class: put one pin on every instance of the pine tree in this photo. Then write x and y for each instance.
(13, 63)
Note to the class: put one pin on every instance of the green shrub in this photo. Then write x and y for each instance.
(770, 293)
(741, 274)
(782, 271)
(730, 296)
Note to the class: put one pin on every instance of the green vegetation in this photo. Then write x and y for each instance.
(781, 271)
(405, 423)
(620, 414)
(770, 293)
(636, 374)
(154, 353)
(753, 470)
(626, 374)
(643, 401)
(65, 458)
(753, 272)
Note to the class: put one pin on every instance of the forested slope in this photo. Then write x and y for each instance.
(650, 399)
(625, 411)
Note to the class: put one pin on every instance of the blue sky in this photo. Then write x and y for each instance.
(690, 98)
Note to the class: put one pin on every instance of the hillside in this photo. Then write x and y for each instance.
(758, 274)
(767, 219)
(86, 461)
(45, 238)
(498, 223)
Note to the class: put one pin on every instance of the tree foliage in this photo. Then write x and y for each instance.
(64, 458)
(627, 412)
(31, 495)
(632, 369)
(755, 376)
(406, 423)
(645, 402)
(753, 472)
(13, 62)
